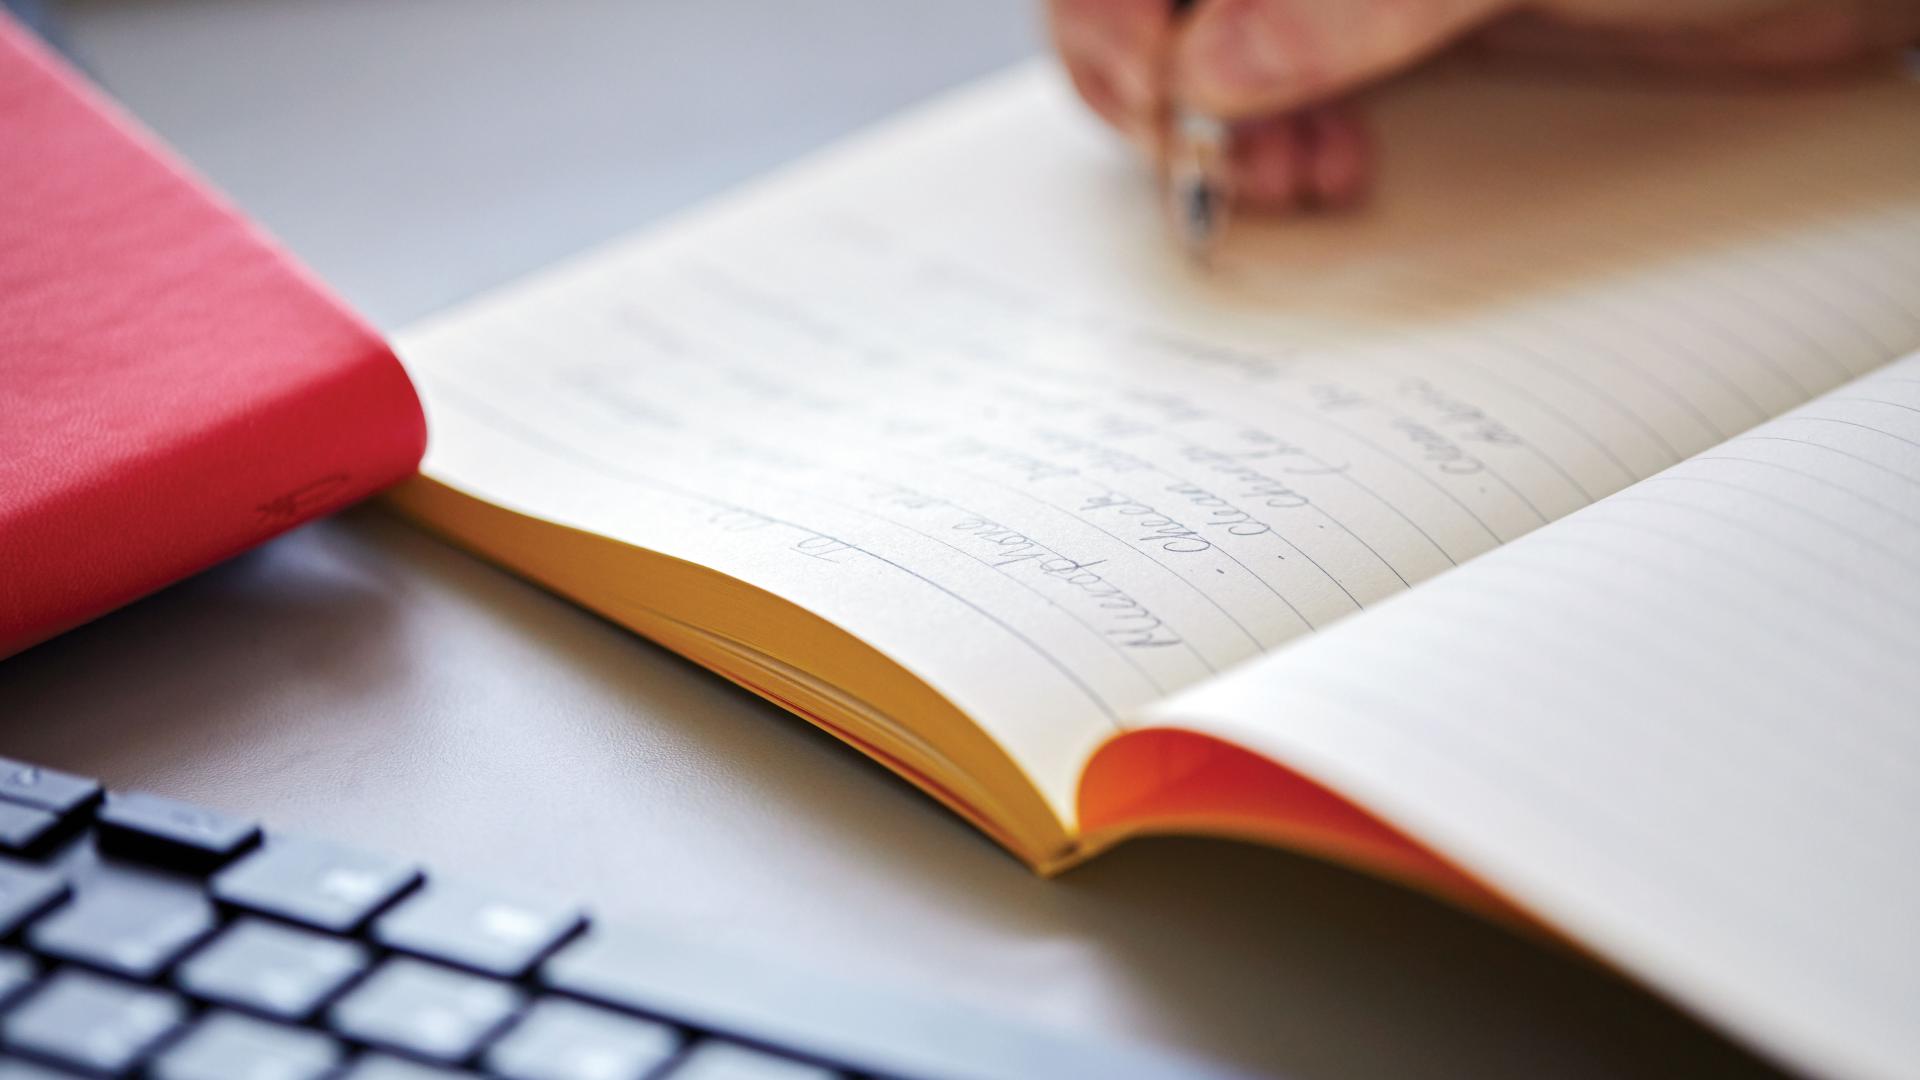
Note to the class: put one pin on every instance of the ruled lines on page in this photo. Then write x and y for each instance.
(952, 389)
(1683, 724)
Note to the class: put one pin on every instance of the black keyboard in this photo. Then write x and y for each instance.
(145, 937)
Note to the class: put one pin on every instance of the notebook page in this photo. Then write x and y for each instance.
(952, 386)
(1683, 724)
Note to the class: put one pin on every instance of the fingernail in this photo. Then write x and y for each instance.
(1236, 53)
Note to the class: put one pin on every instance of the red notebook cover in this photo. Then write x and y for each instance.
(174, 388)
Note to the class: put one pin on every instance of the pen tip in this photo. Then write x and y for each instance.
(1199, 216)
(1196, 182)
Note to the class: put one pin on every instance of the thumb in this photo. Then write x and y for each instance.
(1244, 58)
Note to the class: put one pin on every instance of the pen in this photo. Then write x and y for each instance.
(1196, 178)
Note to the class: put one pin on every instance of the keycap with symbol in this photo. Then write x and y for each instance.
(425, 1010)
(476, 928)
(89, 1022)
(273, 969)
(317, 884)
(171, 833)
(58, 792)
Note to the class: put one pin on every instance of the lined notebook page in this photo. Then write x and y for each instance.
(1683, 724)
(952, 387)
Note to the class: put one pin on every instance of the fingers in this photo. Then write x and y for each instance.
(1248, 58)
(1114, 51)
(1273, 66)
(1319, 159)
(1342, 162)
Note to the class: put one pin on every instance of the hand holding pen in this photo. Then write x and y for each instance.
(1199, 176)
(1251, 101)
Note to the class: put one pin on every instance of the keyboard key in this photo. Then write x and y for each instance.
(274, 970)
(306, 881)
(425, 1010)
(128, 925)
(26, 891)
(566, 1040)
(17, 972)
(170, 833)
(92, 1023)
(476, 929)
(717, 1060)
(382, 1067)
(26, 829)
(228, 1046)
(61, 793)
(669, 977)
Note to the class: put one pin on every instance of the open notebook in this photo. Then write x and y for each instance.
(935, 440)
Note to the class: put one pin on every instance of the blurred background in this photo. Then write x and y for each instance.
(416, 151)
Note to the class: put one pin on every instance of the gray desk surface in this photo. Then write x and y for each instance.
(360, 680)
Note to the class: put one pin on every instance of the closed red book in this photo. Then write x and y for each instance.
(174, 388)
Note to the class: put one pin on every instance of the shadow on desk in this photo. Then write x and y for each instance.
(359, 680)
